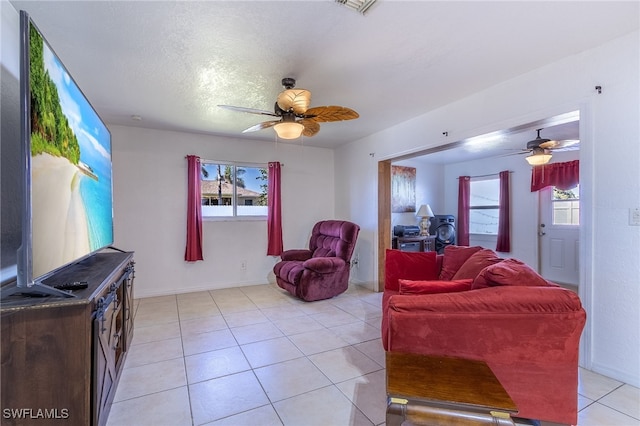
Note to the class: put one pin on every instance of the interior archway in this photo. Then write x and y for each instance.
(497, 143)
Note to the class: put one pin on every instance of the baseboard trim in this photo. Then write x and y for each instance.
(146, 294)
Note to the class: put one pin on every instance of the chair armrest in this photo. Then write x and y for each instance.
(296, 254)
(324, 265)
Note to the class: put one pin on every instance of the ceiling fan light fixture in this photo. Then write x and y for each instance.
(288, 130)
(538, 159)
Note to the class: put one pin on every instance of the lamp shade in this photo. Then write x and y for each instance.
(425, 211)
(288, 129)
(538, 159)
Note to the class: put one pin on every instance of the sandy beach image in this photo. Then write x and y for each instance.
(60, 232)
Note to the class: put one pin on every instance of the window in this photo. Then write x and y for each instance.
(233, 190)
(566, 206)
(484, 206)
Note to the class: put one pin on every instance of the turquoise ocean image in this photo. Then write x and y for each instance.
(95, 152)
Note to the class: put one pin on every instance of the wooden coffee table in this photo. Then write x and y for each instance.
(435, 390)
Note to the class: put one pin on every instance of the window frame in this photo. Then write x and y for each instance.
(495, 207)
(234, 216)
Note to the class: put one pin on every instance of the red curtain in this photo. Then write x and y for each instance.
(274, 214)
(561, 175)
(504, 233)
(464, 200)
(193, 251)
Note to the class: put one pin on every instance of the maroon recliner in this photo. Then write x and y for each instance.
(322, 271)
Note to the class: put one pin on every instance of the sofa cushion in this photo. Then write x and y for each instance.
(476, 263)
(454, 258)
(431, 287)
(408, 266)
(509, 272)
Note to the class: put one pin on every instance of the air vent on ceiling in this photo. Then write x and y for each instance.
(358, 5)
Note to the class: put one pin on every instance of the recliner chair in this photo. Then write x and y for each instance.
(322, 270)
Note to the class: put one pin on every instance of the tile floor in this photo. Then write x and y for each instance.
(257, 356)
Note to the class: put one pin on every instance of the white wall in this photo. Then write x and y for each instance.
(610, 179)
(356, 180)
(429, 190)
(150, 183)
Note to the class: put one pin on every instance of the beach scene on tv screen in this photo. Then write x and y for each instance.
(71, 204)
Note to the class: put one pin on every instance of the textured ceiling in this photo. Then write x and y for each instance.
(172, 63)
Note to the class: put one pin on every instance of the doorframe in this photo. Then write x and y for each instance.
(384, 217)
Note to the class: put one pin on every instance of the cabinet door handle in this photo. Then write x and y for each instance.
(116, 337)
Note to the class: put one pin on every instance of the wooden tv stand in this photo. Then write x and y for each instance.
(62, 357)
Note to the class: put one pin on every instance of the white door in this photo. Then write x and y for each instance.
(558, 233)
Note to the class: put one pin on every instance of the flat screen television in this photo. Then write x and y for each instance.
(66, 153)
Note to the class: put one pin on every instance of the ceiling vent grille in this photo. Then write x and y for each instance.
(360, 6)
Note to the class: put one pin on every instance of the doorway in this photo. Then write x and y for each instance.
(559, 127)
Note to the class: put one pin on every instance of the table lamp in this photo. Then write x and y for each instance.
(424, 212)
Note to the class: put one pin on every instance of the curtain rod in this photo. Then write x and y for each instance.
(248, 163)
(490, 174)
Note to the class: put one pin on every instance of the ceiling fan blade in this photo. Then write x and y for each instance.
(549, 144)
(310, 127)
(260, 126)
(559, 144)
(249, 110)
(296, 100)
(331, 113)
(524, 151)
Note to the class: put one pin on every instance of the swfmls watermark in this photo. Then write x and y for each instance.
(35, 413)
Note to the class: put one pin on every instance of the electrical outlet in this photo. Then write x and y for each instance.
(243, 265)
(356, 260)
(634, 216)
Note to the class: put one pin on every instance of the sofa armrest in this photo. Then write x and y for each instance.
(296, 254)
(324, 265)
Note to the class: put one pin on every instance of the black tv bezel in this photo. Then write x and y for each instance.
(26, 283)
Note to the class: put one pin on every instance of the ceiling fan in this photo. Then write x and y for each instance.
(540, 149)
(295, 118)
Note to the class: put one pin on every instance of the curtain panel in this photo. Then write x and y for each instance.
(504, 228)
(193, 251)
(464, 201)
(274, 211)
(561, 175)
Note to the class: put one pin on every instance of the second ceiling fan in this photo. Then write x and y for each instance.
(540, 149)
(295, 117)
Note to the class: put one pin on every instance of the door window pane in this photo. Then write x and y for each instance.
(566, 206)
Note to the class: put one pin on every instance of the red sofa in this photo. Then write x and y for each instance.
(469, 303)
